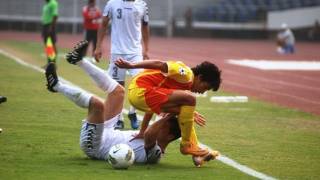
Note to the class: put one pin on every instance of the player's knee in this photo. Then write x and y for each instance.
(96, 105)
(119, 92)
(189, 99)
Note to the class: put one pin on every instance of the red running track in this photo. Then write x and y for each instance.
(293, 89)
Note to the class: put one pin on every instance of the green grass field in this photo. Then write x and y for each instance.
(40, 137)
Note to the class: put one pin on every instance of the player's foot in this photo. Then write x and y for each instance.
(2, 99)
(119, 125)
(198, 161)
(51, 76)
(77, 53)
(134, 120)
(192, 149)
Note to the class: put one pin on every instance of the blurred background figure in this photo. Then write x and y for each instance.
(285, 40)
(91, 21)
(50, 12)
(314, 33)
(188, 20)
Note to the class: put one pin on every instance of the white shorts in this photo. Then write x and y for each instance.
(119, 74)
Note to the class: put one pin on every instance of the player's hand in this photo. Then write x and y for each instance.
(199, 119)
(123, 64)
(139, 135)
(97, 54)
(145, 55)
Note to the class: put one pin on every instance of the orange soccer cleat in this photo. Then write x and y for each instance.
(192, 149)
(198, 161)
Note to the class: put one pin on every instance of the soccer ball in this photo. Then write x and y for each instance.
(120, 156)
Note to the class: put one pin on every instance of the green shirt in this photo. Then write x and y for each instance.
(49, 11)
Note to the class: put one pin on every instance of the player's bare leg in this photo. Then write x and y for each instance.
(114, 101)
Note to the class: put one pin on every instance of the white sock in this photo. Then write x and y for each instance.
(102, 79)
(132, 110)
(76, 95)
(120, 118)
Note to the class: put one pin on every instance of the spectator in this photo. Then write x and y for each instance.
(91, 17)
(50, 14)
(285, 40)
(188, 18)
(314, 33)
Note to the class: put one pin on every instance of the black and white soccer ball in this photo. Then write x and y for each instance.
(120, 156)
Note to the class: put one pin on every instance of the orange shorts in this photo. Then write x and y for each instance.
(149, 99)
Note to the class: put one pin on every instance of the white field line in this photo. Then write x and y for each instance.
(221, 158)
(277, 65)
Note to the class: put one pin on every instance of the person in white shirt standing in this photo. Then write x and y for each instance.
(285, 40)
(129, 27)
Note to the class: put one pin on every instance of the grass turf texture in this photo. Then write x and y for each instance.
(41, 132)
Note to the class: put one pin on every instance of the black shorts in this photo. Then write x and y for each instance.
(91, 36)
(46, 33)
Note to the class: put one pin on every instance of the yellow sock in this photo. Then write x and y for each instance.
(185, 120)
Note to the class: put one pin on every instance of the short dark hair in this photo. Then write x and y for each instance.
(210, 73)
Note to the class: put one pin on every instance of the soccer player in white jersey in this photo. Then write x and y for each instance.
(129, 27)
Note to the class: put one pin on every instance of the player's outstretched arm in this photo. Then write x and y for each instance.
(149, 64)
(144, 125)
(101, 34)
(145, 37)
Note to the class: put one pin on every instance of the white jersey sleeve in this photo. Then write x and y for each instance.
(107, 11)
(145, 19)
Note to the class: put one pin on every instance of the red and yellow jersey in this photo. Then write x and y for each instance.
(91, 16)
(179, 76)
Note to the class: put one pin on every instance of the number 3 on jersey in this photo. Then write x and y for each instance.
(119, 15)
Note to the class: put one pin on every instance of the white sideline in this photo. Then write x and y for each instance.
(222, 158)
(298, 65)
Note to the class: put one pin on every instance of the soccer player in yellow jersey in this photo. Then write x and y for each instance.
(164, 87)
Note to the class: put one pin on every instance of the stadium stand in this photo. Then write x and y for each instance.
(247, 10)
(209, 17)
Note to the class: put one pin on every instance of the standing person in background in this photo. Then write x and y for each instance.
(285, 40)
(91, 17)
(314, 33)
(49, 18)
(129, 27)
(188, 19)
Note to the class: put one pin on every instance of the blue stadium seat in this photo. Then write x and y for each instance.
(247, 10)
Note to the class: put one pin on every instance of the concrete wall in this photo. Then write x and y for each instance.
(296, 18)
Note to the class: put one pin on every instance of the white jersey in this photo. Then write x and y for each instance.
(287, 36)
(126, 21)
(97, 139)
(112, 137)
